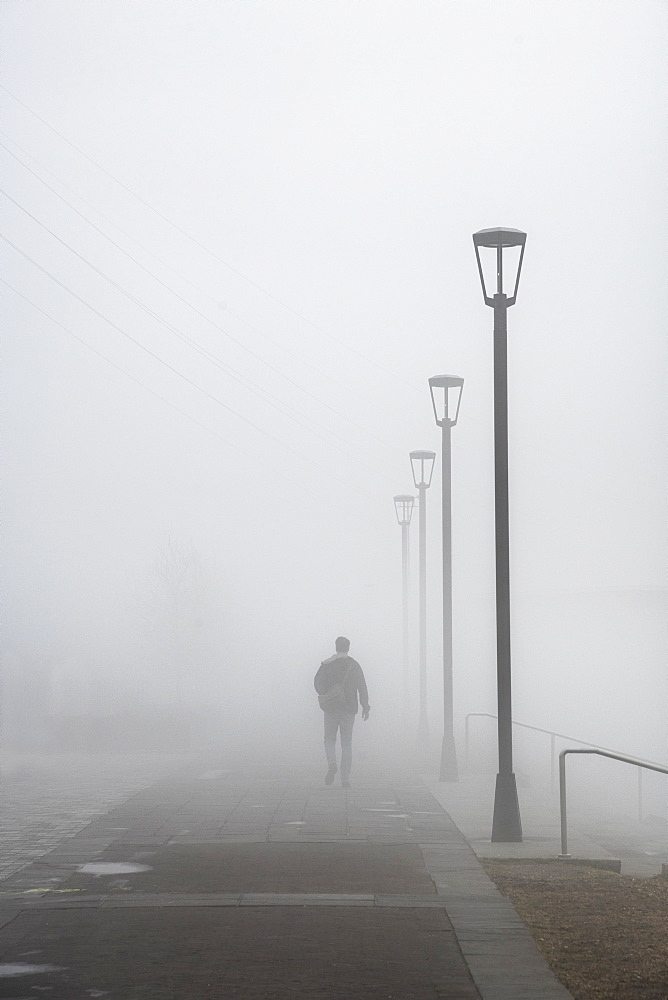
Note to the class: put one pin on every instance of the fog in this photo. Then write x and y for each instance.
(237, 243)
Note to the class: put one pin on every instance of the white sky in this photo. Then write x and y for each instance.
(328, 162)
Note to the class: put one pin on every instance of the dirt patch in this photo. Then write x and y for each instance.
(605, 935)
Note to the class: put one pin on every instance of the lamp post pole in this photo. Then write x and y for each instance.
(405, 572)
(448, 770)
(506, 823)
(404, 508)
(422, 463)
(423, 724)
(502, 537)
(446, 393)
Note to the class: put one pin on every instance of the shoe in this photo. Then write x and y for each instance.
(345, 783)
(329, 777)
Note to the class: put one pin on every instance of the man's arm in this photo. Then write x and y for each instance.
(363, 693)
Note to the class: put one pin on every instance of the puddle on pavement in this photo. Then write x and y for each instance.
(47, 888)
(8, 969)
(99, 868)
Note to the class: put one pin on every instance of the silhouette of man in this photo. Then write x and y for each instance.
(338, 681)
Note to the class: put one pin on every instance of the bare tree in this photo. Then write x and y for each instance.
(174, 615)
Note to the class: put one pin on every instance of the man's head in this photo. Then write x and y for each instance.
(342, 644)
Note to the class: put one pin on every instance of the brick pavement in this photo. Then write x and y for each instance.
(46, 797)
(261, 882)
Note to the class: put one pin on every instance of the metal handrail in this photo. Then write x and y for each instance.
(562, 783)
(553, 735)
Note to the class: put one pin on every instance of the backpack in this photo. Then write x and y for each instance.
(334, 698)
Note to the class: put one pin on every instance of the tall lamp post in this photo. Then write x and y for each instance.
(502, 254)
(422, 465)
(403, 506)
(446, 394)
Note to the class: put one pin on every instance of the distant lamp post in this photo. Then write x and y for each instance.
(499, 253)
(422, 465)
(403, 506)
(446, 395)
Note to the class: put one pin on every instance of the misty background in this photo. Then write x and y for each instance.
(237, 243)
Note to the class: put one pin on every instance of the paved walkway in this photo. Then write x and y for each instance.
(627, 844)
(251, 880)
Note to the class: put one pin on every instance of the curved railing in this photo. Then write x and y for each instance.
(553, 737)
(562, 783)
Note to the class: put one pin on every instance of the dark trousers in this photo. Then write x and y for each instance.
(343, 721)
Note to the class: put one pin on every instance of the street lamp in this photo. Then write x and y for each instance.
(502, 254)
(446, 395)
(403, 506)
(422, 466)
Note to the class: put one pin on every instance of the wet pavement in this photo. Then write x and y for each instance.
(259, 952)
(49, 796)
(245, 881)
(309, 867)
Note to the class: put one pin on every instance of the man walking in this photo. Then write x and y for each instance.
(338, 681)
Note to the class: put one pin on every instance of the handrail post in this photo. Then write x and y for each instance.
(640, 764)
(562, 804)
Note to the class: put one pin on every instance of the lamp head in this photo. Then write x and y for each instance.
(503, 250)
(446, 395)
(403, 506)
(422, 466)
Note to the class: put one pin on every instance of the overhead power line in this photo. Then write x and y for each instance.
(179, 374)
(241, 451)
(203, 351)
(208, 355)
(281, 346)
(206, 249)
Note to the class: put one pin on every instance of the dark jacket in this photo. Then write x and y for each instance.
(332, 671)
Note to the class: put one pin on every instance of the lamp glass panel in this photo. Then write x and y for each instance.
(510, 262)
(454, 396)
(487, 258)
(439, 397)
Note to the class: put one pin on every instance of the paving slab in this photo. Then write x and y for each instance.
(289, 867)
(245, 952)
(150, 900)
(7, 915)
